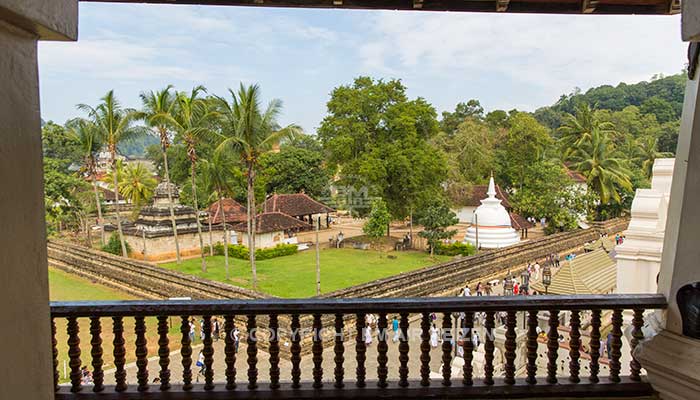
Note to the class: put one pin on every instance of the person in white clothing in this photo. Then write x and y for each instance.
(368, 335)
(433, 336)
(467, 292)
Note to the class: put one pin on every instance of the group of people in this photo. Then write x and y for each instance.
(619, 239)
(481, 290)
(372, 322)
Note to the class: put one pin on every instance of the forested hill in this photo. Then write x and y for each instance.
(661, 97)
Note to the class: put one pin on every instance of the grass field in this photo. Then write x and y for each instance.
(295, 276)
(64, 287)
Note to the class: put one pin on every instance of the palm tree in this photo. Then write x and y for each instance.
(648, 152)
(191, 121)
(250, 132)
(217, 174)
(577, 129)
(136, 184)
(115, 125)
(154, 105)
(594, 159)
(85, 133)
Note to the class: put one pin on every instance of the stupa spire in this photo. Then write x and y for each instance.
(491, 192)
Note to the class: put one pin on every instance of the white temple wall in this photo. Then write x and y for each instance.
(163, 248)
(464, 214)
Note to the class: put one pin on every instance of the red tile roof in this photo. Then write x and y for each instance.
(478, 193)
(108, 194)
(518, 222)
(233, 211)
(296, 205)
(273, 222)
(575, 176)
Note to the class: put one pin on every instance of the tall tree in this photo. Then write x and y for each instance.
(217, 173)
(649, 152)
(116, 125)
(577, 128)
(436, 218)
(136, 184)
(86, 134)
(250, 132)
(155, 106)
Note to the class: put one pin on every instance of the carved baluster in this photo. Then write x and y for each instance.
(208, 353)
(637, 336)
(96, 353)
(425, 350)
(403, 350)
(119, 354)
(532, 323)
(296, 352)
(489, 325)
(446, 350)
(74, 354)
(468, 347)
(615, 346)
(317, 352)
(574, 347)
(163, 352)
(54, 349)
(509, 346)
(552, 346)
(230, 352)
(186, 352)
(274, 350)
(360, 350)
(339, 349)
(252, 353)
(382, 348)
(595, 345)
(141, 354)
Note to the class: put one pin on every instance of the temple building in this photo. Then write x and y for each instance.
(151, 236)
(300, 206)
(271, 229)
(491, 223)
(639, 257)
(468, 201)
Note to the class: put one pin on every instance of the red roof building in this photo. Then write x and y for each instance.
(274, 222)
(295, 205)
(229, 208)
(478, 193)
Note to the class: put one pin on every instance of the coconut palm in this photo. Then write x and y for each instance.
(648, 152)
(85, 133)
(578, 128)
(595, 159)
(217, 176)
(156, 104)
(136, 184)
(249, 131)
(191, 121)
(115, 125)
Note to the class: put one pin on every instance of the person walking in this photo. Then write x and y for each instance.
(201, 365)
(479, 289)
(368, 335)
(215, 329)
(395, 328)
(467, 292)
(489, 289)
(192, 331)
(433, 336)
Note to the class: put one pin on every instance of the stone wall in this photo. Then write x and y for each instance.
(163, 248)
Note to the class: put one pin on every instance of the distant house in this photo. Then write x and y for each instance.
(472, 200)
(109, 198)
(300, 206)
(580, 181)
(271, 229)
(229, 209)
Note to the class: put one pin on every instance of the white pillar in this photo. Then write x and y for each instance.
(24, 313)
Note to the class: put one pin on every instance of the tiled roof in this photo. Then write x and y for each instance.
(518, 222)
(296, 205)
(108, 194)
(273, 222)
(478, 193)
(590, 273)
(233, 211)
(574, 175)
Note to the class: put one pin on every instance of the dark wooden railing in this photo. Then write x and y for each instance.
(413, 380)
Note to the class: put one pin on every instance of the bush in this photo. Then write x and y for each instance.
(457, 248)
(241, 252)
(114, 246)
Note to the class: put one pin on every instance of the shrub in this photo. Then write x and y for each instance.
(241, 252)
(453, 249)
(114, 246)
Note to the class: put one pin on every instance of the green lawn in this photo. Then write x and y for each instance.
(66, 287)
(295, 276)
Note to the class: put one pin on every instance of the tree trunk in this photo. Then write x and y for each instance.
(115, 181)
(196, 213)
(98, 204)
(318, 260)
(211, 240)
(170, 204)
(223, 215)
(252, 223)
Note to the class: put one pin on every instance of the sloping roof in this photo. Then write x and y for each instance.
(108, 194)
(233, 211)
(518, 222)
(630, 7)
(478, 193)
(575, 175)
(273, 222)
(590, 273)
(296, 205)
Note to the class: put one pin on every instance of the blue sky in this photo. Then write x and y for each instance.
(299, 56)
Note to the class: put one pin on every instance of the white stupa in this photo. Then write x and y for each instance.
(495, 230)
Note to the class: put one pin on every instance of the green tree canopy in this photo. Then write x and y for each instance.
(436, 218)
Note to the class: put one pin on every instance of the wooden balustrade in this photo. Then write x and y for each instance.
(512, 359)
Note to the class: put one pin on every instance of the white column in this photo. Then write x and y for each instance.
(27, 370)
